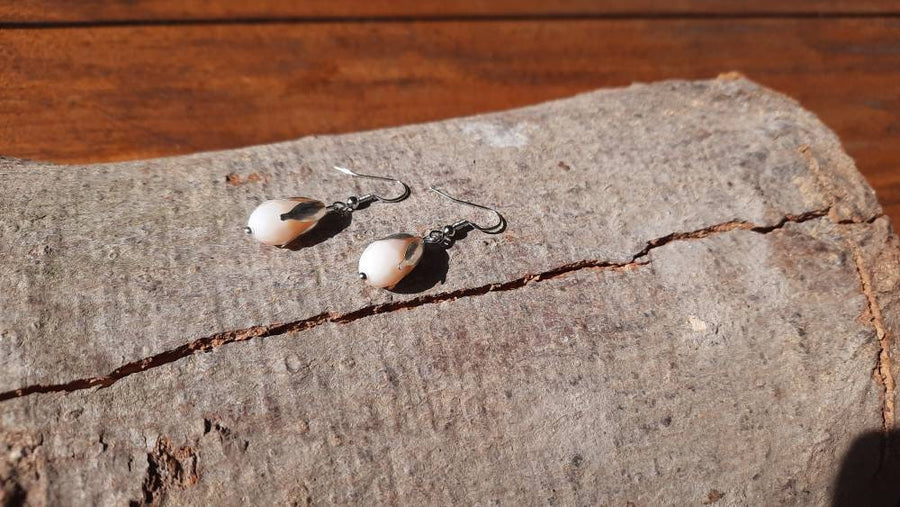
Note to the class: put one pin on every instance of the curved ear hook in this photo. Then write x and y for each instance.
(375, 197)
(497, 228)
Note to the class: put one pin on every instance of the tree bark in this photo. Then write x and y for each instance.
(693, 302)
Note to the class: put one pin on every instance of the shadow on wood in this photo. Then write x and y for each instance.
(328, 227)
(431, 269)
(870, 473)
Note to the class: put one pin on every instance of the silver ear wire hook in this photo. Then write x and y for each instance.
(447, 234)
(354, 202)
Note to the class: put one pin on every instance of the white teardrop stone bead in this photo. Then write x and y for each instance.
(267, 227)
(385, 262)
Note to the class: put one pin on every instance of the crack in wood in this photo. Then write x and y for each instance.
(870, 220)
(212, 342)
(731, 226)
(882, 370)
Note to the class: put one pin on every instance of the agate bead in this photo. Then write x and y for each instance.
(280, 221)
(386, 261)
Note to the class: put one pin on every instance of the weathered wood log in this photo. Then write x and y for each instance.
(693, 301)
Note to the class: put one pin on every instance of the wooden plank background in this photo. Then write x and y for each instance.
(99, 80)
(30, 11)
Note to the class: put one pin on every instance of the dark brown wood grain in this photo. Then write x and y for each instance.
(122, 92)
(104, 10)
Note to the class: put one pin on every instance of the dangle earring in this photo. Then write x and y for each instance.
(386, 261)
(279, 221)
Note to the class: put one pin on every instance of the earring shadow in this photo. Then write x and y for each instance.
(869, 472)
(328, 227)
(432, 269)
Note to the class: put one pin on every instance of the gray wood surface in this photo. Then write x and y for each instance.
(693, 303)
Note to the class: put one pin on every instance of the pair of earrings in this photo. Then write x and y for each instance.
(384, 262)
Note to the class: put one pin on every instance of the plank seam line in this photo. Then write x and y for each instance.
(212, 342)
(453, 18)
